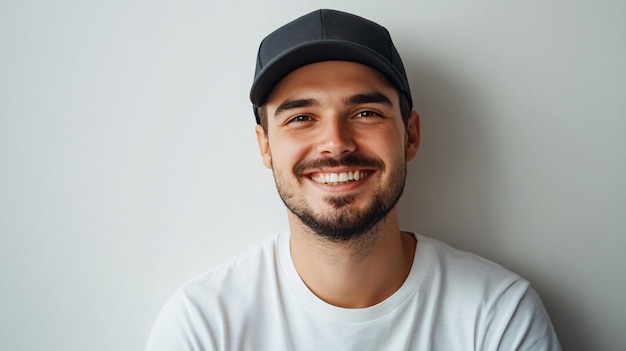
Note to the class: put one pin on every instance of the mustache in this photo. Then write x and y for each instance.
(350, 160)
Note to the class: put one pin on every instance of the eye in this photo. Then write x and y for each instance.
(299, 118)
(368, 114)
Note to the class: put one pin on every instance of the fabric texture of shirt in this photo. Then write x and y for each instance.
(451, 300)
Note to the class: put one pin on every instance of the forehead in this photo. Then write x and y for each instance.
(333, 78)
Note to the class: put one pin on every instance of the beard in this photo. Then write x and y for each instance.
(343, 222)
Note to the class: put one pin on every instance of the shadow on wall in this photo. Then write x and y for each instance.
(449, 193)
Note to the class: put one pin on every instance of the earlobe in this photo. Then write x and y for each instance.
(412, 135)
(264, 146)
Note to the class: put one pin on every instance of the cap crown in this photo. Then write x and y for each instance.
(325, 35)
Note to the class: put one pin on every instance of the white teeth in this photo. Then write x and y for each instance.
(339, 178)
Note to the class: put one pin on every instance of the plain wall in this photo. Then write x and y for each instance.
(128, 162)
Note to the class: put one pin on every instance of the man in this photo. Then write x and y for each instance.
(335, 125)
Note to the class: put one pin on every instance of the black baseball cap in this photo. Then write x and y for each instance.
(325, 35)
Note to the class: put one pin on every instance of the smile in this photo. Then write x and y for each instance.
(339, 178)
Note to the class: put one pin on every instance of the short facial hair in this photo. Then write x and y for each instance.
(344, 223)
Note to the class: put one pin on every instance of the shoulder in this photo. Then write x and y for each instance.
(500, 305)
(464, 268)
(214, 299)
(249, 269)
(462, 281)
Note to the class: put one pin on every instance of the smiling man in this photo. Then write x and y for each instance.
(336, 127)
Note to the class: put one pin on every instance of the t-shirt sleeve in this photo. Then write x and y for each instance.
(524, 324)
(178, 327)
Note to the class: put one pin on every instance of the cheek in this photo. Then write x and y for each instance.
(286, 152)
(389, 144)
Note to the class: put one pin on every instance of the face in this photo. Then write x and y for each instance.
(337, 146)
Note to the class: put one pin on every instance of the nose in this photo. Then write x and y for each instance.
(336, 138)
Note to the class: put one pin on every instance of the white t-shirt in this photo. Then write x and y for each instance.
(451, 300)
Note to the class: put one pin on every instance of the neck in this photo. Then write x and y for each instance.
(357, 273)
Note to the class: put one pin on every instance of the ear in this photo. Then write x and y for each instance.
(412, 135)
(264, 146)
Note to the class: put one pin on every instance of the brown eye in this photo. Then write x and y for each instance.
(300, 118)
(367, 114)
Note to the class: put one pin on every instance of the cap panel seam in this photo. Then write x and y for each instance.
(322, 20)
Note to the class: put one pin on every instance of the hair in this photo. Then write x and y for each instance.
(405, 112)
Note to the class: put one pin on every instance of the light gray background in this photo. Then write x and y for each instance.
(128, 162)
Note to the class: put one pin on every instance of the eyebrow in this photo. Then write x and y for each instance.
(293, 104)
(368, 98)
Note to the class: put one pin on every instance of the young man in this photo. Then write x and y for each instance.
(335, 126)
